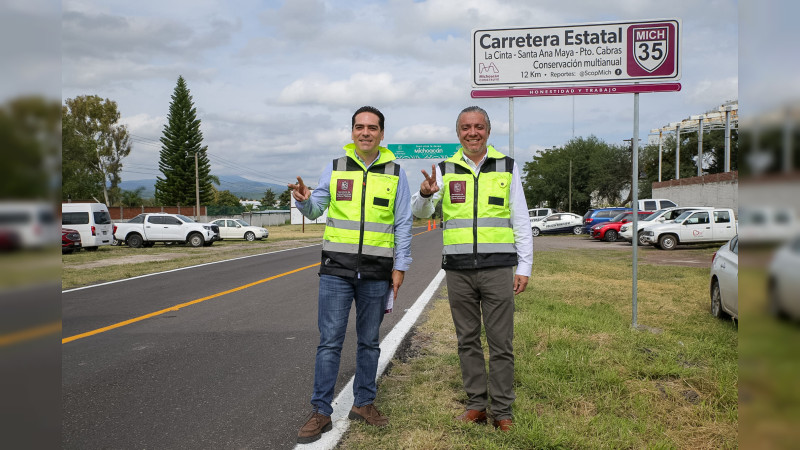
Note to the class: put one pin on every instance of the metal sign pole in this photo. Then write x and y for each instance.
(511, 126)
(635, 204)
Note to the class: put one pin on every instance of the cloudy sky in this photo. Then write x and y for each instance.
(275, 82)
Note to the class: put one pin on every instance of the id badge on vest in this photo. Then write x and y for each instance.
(458, 191)
(344, 190)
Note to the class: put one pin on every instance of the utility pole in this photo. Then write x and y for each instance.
(196, 188)
(570, 183)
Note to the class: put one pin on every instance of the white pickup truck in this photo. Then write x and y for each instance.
(660, 216)
(145, 230)
(693, 227)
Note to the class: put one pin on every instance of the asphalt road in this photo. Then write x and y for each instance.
(228, 371)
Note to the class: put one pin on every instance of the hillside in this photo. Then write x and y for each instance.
(239, 186)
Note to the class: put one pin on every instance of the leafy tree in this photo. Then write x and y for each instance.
(94, 145)
(226, 198)
(285, 199)
(269, 199)
(180, 142)
(598, 170)
(132, 198)
(29, 144)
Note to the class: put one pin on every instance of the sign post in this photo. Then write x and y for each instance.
(587, 59)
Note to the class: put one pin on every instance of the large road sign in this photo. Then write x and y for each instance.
(423, 151)
(577, 54)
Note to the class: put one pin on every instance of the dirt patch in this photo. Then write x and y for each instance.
(132, 259)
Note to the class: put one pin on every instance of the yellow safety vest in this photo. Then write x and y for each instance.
(359, 234)
(477, 224)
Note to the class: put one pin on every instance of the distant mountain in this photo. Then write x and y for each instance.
(239, 186)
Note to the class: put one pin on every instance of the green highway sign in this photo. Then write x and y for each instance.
(423, 151)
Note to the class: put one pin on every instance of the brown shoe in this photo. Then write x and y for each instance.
(313, 429)
(369, 414)
(504, 424)
(472, 415)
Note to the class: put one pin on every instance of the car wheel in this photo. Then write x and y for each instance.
(667, 242)
(611, 236)
(642, 241)
(196, 240)
(250, 236)
(135, 241)
(535, 231)
(716, 301)
(577, 230)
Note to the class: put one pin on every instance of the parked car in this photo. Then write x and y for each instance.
(70, 240)
(28, 225)
(240, 229)
(600, 215)
(693, 227)
(91, 220)
(558, 223)
(145, 230)
(783, 282)
(537, 214)
(724, 284)
(609, 231)
(660, 216)
(767, 224)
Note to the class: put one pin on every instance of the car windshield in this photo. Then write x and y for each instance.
(242, 222)
(654, 215)
(184, 218)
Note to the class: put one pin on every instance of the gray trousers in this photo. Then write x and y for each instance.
(488, 293)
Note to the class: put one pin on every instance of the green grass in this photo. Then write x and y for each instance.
(584, 378)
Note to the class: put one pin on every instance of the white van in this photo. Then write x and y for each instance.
(27, 225)
(91, 220)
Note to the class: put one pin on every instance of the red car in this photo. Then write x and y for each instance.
(70, 240)
(609, 231)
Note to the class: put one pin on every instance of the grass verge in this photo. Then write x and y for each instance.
(584, 378)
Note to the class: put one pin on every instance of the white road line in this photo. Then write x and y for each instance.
(343, 402)
(182, 268)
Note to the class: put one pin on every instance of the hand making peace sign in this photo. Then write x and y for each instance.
(429, 186)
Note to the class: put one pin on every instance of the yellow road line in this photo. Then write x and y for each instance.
(30, 333)
(177, 307)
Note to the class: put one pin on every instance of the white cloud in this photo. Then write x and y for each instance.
(368, 88)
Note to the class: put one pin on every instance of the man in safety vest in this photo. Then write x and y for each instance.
(486, 232)
(366, 250)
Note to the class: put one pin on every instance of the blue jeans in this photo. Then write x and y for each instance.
(336, 295)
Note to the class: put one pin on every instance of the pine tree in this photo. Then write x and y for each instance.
(180, 141)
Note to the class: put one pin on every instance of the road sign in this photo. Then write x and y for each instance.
(554, 91)
(423, 151)
(577, 54)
